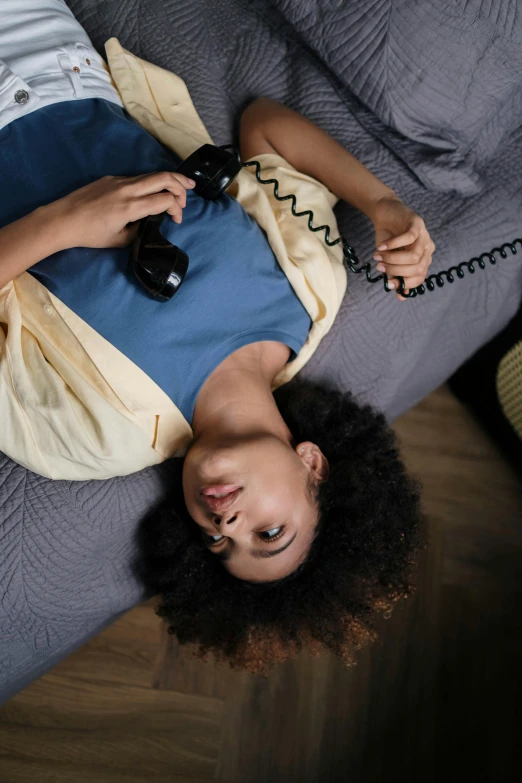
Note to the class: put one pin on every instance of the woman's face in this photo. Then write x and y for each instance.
(252, 502)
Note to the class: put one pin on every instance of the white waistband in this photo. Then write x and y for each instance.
(46, 57)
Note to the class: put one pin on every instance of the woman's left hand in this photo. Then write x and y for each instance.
(409, 247)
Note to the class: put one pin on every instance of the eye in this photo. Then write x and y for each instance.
(273, 534)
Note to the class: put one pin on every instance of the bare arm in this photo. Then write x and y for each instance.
(25, 242)
(101, 214)
(403, 244)
(268, 126)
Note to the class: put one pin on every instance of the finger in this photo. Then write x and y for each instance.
(424, 263)
(155, 204)
(418, 277)
(409, 283)
(406, 257)
(127, 235)
(413, 282)
(405, 270)
(162, 180)
(186, 182)
(409, 254)
(419, 254)
(406, 238)
(175, 212)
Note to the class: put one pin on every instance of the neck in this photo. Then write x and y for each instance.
(236, 399)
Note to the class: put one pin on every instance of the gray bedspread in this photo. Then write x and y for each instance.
(429, 97)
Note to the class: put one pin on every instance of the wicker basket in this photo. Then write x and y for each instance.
(490, 384)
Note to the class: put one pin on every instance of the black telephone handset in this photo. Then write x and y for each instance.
(160, 266)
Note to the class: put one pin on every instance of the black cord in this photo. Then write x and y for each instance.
(352, 262)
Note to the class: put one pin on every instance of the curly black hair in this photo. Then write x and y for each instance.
(360, 561)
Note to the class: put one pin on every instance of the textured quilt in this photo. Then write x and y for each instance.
(429, 97)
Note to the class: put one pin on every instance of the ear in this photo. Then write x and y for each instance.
(314, 458)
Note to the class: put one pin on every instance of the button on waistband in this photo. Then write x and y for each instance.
(21, 96)
(49, 309)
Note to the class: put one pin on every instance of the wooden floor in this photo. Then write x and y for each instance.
(435, 699)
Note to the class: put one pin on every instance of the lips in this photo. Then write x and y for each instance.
(220, 497)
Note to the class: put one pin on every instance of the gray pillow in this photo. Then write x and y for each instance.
(445, 76)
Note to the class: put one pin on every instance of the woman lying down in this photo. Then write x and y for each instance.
(299, 521)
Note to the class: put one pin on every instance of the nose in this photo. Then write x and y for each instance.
(227, 524)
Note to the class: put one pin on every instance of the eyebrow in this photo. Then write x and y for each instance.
(258, 552)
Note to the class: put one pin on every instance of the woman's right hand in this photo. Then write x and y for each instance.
(105, 212)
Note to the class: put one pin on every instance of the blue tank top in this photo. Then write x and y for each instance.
(234, 292)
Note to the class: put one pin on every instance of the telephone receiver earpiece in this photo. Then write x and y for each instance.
(159, 265)
(212, 169)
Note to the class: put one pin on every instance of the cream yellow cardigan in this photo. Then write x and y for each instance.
(72, 406)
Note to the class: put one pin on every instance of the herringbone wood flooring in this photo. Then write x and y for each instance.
(435, 698)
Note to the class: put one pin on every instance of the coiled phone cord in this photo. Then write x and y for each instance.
(352, 262)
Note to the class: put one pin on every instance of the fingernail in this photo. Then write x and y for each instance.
(391, 284)
(382, 247)
(377, 257)
(192, 182)
(381, 267)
